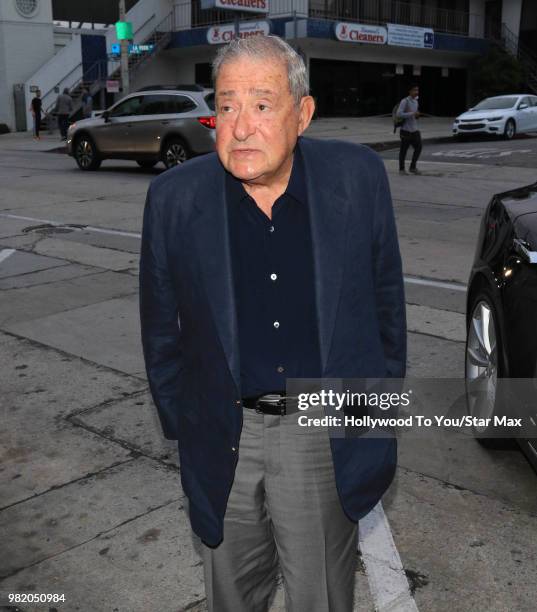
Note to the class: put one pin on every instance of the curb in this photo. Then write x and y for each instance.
(394, 144)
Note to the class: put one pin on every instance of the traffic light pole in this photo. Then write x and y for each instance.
(125, 84)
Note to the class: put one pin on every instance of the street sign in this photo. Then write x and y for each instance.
(124, 30)
(112, 86)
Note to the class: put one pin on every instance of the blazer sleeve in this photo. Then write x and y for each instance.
(388, 274)
(159, 318)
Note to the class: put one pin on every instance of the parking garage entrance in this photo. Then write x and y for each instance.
(344, 88)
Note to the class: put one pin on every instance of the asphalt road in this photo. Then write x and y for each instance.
(90, 502)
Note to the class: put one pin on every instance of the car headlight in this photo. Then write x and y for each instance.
(495, 118)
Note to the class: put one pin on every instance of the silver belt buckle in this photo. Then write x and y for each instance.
(274, 399)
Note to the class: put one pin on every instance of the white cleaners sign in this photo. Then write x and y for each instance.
(356, 32)
(255, 6)
(218, 35)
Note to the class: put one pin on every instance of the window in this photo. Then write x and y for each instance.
(209, 100)
(166, 104)
(533, 100)
(128, 107)
(525, 101)
(154, 105)
(180, 104)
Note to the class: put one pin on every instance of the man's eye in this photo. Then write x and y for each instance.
(263, 107)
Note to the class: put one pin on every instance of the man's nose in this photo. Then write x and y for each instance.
(244, 125)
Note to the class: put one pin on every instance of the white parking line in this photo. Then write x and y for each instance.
(5, 253)
(387, 579)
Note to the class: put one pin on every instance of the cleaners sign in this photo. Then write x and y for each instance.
(226, 33)
(356, 32)
(255, 6)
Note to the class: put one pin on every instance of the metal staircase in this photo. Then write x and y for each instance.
(511, 43)
(94, 79)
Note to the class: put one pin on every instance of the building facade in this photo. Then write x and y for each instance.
(361, 54)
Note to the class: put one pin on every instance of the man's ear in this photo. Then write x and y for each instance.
(307, 108)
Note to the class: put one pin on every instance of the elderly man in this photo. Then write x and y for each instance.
(275, 257)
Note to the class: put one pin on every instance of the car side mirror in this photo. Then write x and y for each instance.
(106, 116)
(522, 106)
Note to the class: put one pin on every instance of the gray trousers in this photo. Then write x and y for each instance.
(283, 510)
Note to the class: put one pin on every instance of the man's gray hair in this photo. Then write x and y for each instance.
(261, 48)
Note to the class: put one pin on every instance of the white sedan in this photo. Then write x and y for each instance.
(501, 116)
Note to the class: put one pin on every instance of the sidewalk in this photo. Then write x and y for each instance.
(376, 130)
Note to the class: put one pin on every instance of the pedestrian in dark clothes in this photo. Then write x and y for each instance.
(410, 134)
(35, 107)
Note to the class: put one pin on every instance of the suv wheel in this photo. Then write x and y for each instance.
(85, 154)
(174, 152)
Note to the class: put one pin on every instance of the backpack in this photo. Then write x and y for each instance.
(397, 121)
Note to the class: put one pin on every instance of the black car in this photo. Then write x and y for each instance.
(501, 341)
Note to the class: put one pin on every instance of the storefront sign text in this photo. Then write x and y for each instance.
(407, 36)
(356, 32)
(225, 33)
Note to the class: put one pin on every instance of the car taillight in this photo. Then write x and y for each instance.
(209, 122)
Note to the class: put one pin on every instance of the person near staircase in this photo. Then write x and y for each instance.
(35, 108)
(63, 110)
(87, 103)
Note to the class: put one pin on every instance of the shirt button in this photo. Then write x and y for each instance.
(273, 277)
(271, 229)
(279, 369)
(276, 324)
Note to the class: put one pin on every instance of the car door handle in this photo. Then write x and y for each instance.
(164, 122)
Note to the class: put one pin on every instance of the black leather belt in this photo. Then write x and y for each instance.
(269, 403)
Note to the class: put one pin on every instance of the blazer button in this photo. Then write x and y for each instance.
(238, 402)
(233, 449)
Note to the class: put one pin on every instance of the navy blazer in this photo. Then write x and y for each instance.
(189, 326)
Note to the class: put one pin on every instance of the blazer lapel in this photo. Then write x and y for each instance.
(210, 234)
(328, 207)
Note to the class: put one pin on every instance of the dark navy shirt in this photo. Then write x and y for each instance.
(273, 275)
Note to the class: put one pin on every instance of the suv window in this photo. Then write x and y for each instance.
(127, 107)
(181, 104)
(165, 104)
(209, 99)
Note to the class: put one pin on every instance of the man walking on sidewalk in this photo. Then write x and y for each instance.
(410, 134)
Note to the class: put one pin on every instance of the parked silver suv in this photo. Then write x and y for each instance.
(151, 125)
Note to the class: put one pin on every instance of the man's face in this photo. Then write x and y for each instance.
(257, 121)
(414, 92)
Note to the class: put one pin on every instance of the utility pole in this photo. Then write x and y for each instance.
(125, 85)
